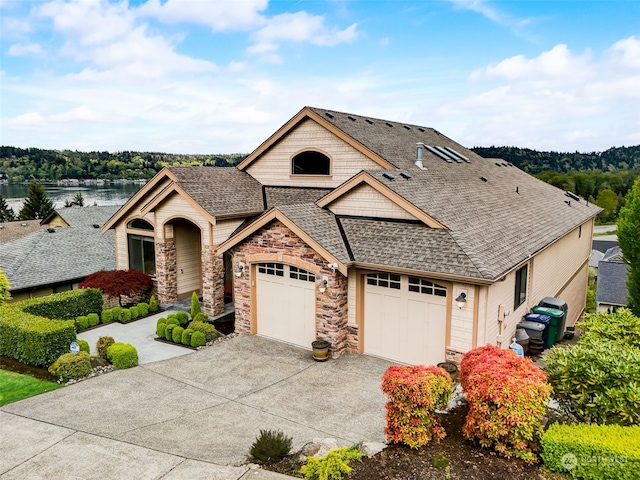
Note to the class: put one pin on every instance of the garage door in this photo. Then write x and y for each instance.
(405, 319)
(286, 303)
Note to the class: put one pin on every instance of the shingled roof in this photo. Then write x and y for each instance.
(612, 283)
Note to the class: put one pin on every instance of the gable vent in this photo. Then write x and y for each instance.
(328, 114)
(438, 153)
(456, 154)
(388, 176)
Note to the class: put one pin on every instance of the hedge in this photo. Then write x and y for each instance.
(37, 331)
(122, 355)
(592, 451)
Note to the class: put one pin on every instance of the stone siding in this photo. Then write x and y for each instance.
(212, 281)
(166, 272)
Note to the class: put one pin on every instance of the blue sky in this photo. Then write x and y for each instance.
(206, 76)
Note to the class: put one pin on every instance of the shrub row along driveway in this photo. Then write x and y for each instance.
(207, 407)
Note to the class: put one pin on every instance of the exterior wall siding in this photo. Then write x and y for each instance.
(461, 333)
(365, 201)
(179, 207)
(224, 228)
(188, 258)
(501, 318)
(274, 167)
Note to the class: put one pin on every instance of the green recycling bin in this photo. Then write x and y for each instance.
(555, 324)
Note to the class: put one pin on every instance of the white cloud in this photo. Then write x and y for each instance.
(21, 50)
(627, 52)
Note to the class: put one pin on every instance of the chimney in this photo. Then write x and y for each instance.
(418, 161)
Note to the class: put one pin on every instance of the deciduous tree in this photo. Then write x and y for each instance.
(119, 283)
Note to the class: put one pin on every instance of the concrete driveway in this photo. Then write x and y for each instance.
(193, 416)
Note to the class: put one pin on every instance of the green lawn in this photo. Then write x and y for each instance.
(14, 387)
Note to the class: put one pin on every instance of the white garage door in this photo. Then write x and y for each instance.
(286, 302)
(405, 319)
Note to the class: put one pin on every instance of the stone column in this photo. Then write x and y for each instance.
(166, 272)
(213, 275)
(332, 312)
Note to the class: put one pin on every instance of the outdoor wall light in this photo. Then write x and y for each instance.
(323, 286)
(461, 300)
(240, 269)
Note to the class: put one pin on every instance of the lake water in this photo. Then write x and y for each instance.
(105, 194)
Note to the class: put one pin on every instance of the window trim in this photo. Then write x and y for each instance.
(520, 290)
(292, 174)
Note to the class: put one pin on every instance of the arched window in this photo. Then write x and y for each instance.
(311, 163)
(140, 224)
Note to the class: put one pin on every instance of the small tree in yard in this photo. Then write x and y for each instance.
(629, 240)
(195, 305)
(119, 283)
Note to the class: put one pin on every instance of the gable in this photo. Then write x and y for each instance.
(273, 167)
(365, 201)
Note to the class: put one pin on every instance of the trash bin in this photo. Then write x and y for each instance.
(555, 324)
(560, 304)
(545, 320)
(535, 331)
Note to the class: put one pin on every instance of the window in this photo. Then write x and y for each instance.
(140, 224)
(421, 285)
(311, 163)
(387, 280)
(521, 286)
(276, 269)
(142, 255)
(300, 274)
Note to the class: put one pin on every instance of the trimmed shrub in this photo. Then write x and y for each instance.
(270, 446)
(168, 332)
(161, 330)
(209, 330)
(186, 336)
(507, 397)
(200, 317)
(593, 452)
(333, 466)
(176, 334)
(122, 355)
(82, 322)
(172, 319)
(117, 313)
(198, 339)
(183, 318)
(143, 309)
(93, 319)
(107, 316)
(125, 316)
(153, 304)
(84, 345)
(415, 392)
(195, 305)
(102, 345)
(161, 320)
(133, 311)
(597, 381)
(65, 305)
(70, 366)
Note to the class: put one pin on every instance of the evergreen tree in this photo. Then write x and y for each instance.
(77, 201)
(629, 241)
(37, 204)
(6, 212)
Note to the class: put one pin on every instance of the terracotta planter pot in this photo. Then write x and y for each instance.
(320, 350)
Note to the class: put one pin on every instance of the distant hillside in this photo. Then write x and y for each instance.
(20, 164)
(532, 161)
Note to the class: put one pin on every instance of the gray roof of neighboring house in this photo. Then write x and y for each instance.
(275, 196)
(612, 283)
(12, 230)
(595, 258)
(221, 190)
(613, 254)
(603, 245)
(42, 258)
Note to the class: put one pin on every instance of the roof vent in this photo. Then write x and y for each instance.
(497, 164)
(388, 124)
(328, 114)
(51, 230)
(573, 196)
(388, 175)
(369, 121)
(438, 153)
(353, 119)
(23, 224)
(568, 202)
(418, 161)
(484, 179)
(95, 225)
(406, 176)
(407, 127)
(456, 154)
(421, 129)
(518, 190)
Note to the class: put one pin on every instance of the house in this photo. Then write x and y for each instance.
(611, 291)
(12, 230)
(384, 238)
(67, 247)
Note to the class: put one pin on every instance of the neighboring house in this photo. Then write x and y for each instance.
(611, 291)
(12, 230)
(384, 238)
(59, 256)
(603, 244)
(594, 259)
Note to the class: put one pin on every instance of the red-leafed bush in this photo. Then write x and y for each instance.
(507, 398)
(415, 392)
(118, 283)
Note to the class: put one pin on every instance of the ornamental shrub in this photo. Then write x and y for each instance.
(107, 316)
(198, 339)
(597, 381)
(119, 283)
(82, 322)
(125, 315)
(153, 304)
(172, 319)
(593, 452)
(200, 317)
(415, 392)
(183, 318)
(507, 397)
(70, 366)
(176, 334)
(143, 309)
(134, 312)
(186, 336)
(269, 447)
(93, 319)
(161, 330)
(84, 345)
(195, 305)
(122, 355)
(102, 345)
(333, 466)
(117, 313)
(209, 330)
(168, 332)
(621, 327)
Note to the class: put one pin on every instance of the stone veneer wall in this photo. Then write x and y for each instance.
(166, 272)
(277, 243)
(213, 273)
